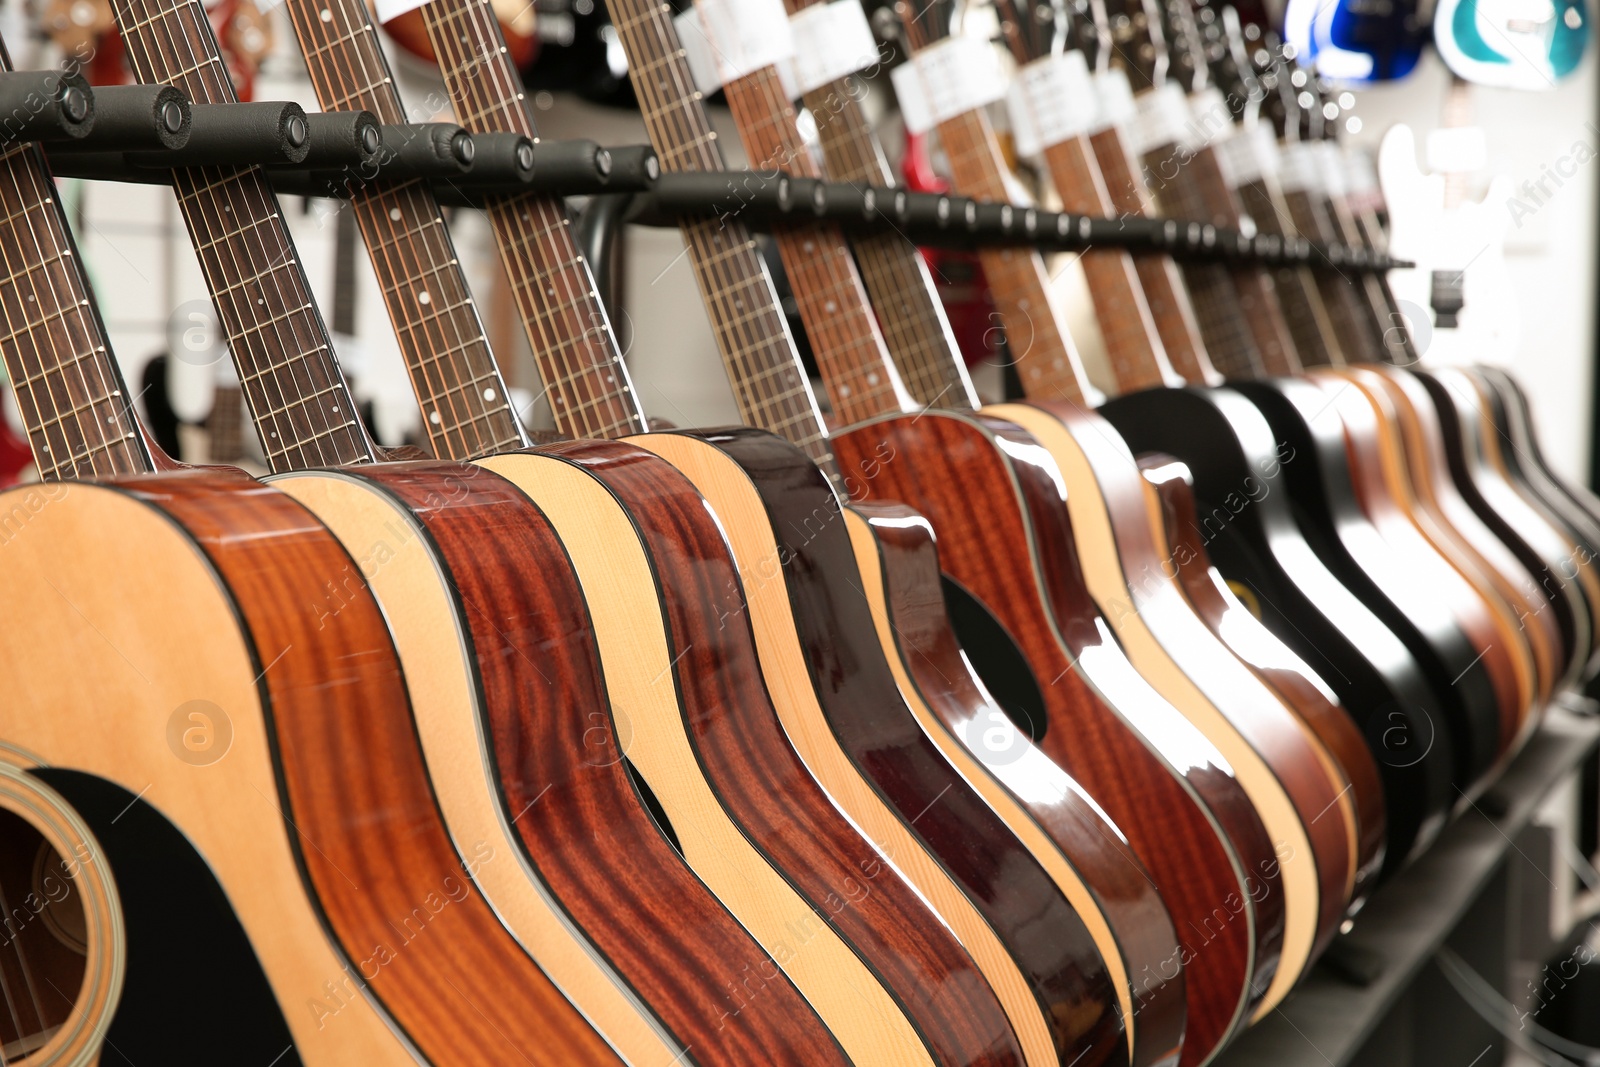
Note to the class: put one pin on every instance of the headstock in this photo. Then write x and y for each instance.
(1231, 67)
(1138, 41)
(1034, 29)
(1186, 43)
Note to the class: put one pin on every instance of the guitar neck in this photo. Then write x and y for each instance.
(1138, 358)
(1347, 296)
(585, 379)
(910, 314)
(301, 406)
(1046, 359)
(1304, 310)
(769, 383)
(861, 381)
(1244, 332)
(466, 409)
(1163, 285)
(80, 420)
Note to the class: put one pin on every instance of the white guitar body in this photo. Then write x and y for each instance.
(1467, 240)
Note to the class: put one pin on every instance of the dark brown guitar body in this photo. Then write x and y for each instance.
(1273, 661)
(355, 791)
(1111, 870)
(762, 781)
(986, 496)
(585, 829)
(867, 714)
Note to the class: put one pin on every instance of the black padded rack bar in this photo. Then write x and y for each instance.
(337, 153)
(51, 106)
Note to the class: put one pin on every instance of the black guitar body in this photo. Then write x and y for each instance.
(1249, 526)
(1523, 529)
(1320, 484)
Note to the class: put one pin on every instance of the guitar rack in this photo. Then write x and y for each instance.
(138, 133)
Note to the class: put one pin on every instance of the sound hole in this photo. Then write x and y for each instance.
(43, 939)
(996, 658)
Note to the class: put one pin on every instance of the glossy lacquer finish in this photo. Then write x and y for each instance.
(1121, 885)
(1321, 484)
(394, 891)
(1489, 493)
(761, 780)
(1312, 699)
(584, 828)
(868, 716)
(1248, 526)
(979, 481)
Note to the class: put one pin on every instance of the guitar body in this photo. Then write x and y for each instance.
(818, 646)
(1509, 46)
(1407, 406)
(500, 652)
(305, 791)
(1250, 531)
(1172, 500)
(1270, 752)
(1504, 656)
(1543, 550)
(1322, 490)
(977, 483)
(852, 882)
(1048, 811)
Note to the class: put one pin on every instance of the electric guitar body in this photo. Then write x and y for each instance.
(1250, 530)
(525, 721)
(1175, 514)
(819, 653)
(990, 492)
(1320, 485)
(280, 740)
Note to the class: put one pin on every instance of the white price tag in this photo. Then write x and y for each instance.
(384, 9)
(724, 40)
(831, 41)
(1301, 168)
(1210, 121)
(1249, 157)
(1115, 97)
(951, 78)
(1163, 119)
(1051, 100)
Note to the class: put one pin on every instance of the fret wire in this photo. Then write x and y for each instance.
(220, 204)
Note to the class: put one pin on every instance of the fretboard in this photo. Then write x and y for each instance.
(1138, 358)
(1164, 290)
(300, 404)
(910, 314)
(1037, 341)
(860, 379)
(769, 383)
(466, 410)
(585, 379)
(69, 388)
(1304, 310)
(1352, 297)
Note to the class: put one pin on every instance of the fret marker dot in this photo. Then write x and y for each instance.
(832, 306)
(872, 379)
(424, 298)
(327, 16)
(488, 394)
(844, 390)
(810, 246)
(394, 213)
(433, 417)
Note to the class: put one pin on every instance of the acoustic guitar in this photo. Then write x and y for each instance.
(589, 395)
(521, 616)
(861, 381)
(241, 708)
(662, 615)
